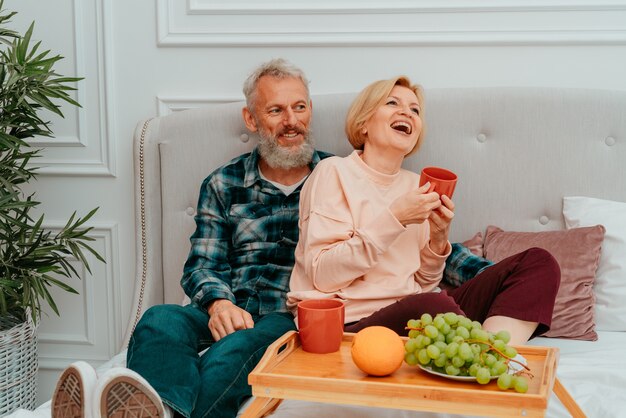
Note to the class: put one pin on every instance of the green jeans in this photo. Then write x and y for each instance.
(164, 350)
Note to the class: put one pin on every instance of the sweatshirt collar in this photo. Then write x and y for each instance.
(376, 176)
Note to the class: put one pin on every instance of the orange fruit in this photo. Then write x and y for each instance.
(377, 351)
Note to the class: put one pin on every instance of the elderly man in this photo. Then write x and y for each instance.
(236, 275)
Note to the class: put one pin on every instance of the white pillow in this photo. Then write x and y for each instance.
(610, 284)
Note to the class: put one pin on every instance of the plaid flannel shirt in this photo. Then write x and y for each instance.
(462, 265)
(245, 238)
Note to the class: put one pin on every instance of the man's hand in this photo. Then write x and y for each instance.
(225, 318)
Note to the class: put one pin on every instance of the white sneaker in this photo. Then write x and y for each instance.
(74, 390)
(123, 393)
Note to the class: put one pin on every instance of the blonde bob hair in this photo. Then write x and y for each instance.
(370, 99)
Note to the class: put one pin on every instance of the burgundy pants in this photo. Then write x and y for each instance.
(522, 286)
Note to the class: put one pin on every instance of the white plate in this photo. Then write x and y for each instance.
(513, 367)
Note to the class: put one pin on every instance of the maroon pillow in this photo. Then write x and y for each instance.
(577, 251)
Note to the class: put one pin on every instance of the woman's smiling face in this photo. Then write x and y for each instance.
(396, 124)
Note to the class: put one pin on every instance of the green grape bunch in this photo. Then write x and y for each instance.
(457, 346)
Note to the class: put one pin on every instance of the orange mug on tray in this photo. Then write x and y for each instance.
(320, 324)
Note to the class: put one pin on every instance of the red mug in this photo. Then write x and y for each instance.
(320, 324)
(441, 180)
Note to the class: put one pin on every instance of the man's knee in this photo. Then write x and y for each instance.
(273, 326)
(165, 320)
(159, 314)
(265, 331)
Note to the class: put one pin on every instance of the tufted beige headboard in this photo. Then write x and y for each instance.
(517, 152)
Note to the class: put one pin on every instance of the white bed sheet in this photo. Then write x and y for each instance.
(593, 372)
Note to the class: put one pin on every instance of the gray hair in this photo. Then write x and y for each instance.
(278, 68)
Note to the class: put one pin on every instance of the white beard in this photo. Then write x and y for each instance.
(280, 157)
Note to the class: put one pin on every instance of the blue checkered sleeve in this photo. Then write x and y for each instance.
(462, 265)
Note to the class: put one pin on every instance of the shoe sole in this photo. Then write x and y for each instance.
(68, 399)
(125, 397)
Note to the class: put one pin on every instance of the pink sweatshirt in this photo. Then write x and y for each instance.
(352, 248)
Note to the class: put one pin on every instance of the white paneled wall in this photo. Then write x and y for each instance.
(145, 58)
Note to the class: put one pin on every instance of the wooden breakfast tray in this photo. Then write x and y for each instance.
(288, 372)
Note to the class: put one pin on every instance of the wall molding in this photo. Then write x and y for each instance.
(87, 292)
(60, 363)
(397, 22)
(392, 6)
(54, 347)
(170, 104)
(91, 151)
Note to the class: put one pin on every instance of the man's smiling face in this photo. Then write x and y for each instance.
(282, 115)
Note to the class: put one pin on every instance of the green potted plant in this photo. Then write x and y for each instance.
(32, 259)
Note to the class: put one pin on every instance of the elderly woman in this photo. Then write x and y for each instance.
(372, 238)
